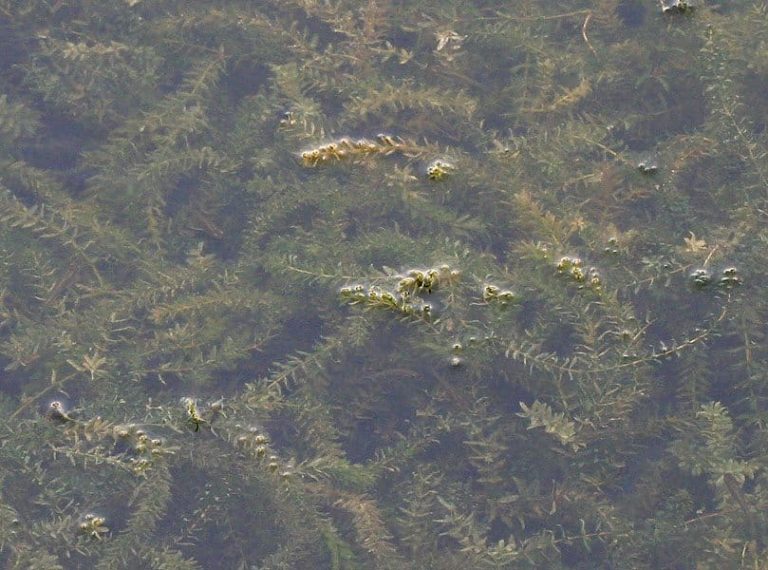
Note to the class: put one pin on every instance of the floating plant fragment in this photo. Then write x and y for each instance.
(647, 166)
(729, 278)
(676, 6)
(701, 278)
(93, 526)
(439, 169)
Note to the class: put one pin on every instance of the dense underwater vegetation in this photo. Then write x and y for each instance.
(383, 284)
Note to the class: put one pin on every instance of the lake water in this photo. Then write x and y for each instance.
(316, 284)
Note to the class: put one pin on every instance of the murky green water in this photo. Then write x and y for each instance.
(429, 285)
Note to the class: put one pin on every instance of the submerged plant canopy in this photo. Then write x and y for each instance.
(383, 284)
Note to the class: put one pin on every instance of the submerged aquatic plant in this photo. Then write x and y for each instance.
(236, 332)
